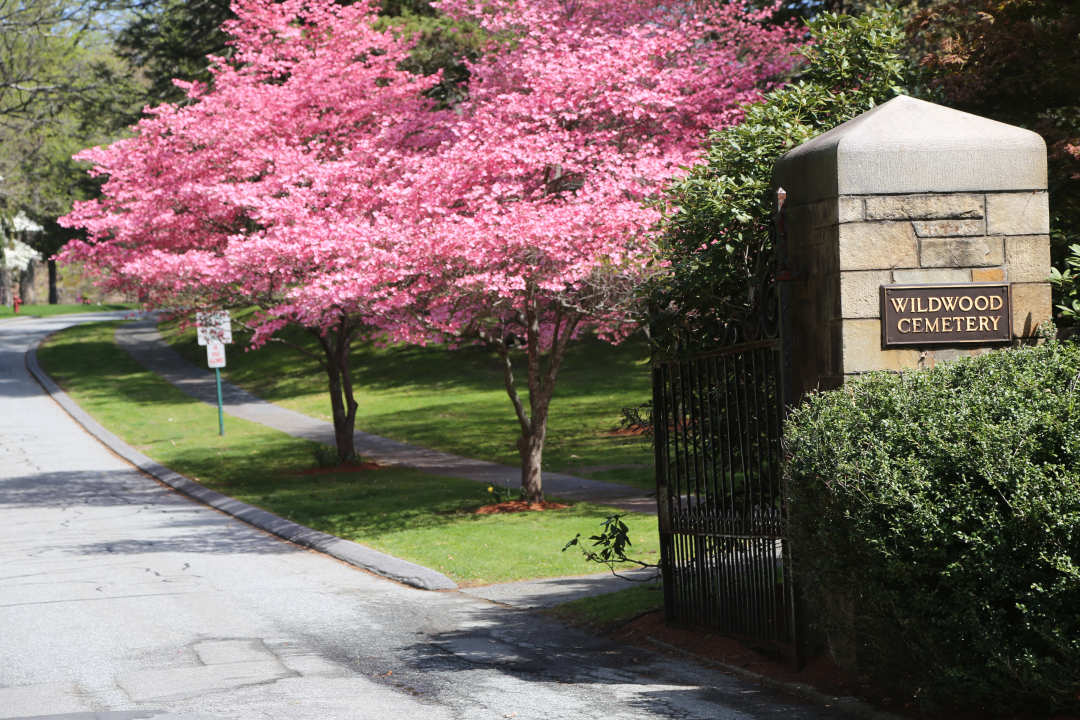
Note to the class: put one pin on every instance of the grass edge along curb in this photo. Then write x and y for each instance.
(387, 566)
(848, 705)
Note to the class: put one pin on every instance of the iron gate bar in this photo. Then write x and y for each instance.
(717, 423)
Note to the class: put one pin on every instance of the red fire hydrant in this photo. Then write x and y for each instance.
(17, 301)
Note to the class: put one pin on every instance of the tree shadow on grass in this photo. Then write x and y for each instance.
(278, 372)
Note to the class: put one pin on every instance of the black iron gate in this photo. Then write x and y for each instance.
(717, 421)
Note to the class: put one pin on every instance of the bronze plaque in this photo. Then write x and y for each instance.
(945, 314)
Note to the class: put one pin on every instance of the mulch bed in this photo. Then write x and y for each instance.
(516, 506)
(820, 673)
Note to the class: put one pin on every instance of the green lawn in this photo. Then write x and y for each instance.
(604, 611)
(454, 400)
(409, 514)
(47, 310)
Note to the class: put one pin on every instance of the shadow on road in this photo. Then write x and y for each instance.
(170, 522)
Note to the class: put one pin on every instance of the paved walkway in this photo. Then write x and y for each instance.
(143, 341)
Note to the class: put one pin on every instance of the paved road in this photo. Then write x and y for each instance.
(120, 599)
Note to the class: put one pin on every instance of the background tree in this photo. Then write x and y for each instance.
(531, 229)
(1018, 62)
(167, 40)
(259, 190)
(57, 90)
(716, 218)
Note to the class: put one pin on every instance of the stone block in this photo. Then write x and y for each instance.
(931, 277)
(1028, 258)
(908, 146)
(810, 354)
(814, 260)
(877, 246)
(817, 299)
(961, 252)
(860, 295)
(1031, 306)
(924, 207)
(800, 226)
(948, 228)
(836, 349)
(1022, 213)
(825, 212)
(800, 291)
(987, 275)
(850, 209)
(827, 244)
(863, 353)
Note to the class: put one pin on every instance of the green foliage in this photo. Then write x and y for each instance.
(614, 543)
(935, 517)
(1066, 283)
(56, 89)
(170, 39)
(440, 44)
(1018, 62)
(717, 216)
(610, 610)
(328, 457)
(493, 494)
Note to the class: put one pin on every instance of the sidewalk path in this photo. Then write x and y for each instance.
(143, 342)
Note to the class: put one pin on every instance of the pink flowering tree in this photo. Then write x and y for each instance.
(315, 181)
(533, 225)
(262, 190)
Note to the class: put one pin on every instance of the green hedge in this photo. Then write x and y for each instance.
(941, 510)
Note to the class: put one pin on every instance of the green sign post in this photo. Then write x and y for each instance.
(214, 331)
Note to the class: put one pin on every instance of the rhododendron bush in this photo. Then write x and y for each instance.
(315, 181)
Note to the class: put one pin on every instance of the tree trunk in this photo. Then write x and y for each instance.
(27, 291)
(5, 286)
(53, 299)
(343, 405)
(531, 450)
(541, 388)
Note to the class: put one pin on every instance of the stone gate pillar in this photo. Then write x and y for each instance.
(909, 193)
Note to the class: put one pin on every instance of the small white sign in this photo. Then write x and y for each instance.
(213, 327)
(215, 354)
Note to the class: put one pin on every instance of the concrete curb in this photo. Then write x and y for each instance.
(362, 557)
(848, 705)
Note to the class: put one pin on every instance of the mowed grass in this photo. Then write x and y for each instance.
(455, 401)
(49, 310)
(423, 518)
(612, 609)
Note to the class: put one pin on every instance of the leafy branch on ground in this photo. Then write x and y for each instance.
(613, 541)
